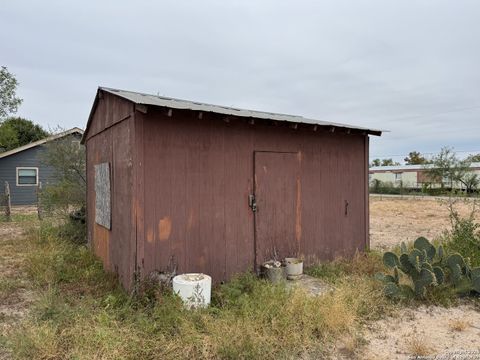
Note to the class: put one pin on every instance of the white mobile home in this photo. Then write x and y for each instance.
(411, 176)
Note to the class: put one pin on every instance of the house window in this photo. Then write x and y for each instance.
(27, 176)
(398, 176)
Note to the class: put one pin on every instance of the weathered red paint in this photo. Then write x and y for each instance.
(277, 218)
(181, 186)
(110, 139)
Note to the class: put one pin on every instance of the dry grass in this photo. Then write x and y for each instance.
(418, 346)
(82, 313)
(459, 325)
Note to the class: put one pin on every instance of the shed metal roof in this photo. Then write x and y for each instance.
(41, 142)
(155, 100)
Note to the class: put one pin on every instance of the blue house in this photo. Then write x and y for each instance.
(24, 170)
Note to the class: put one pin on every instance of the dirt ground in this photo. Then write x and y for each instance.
(393, 220)
(427, 331)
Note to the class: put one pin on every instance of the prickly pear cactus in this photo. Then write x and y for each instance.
(417, 265)
(427, 266)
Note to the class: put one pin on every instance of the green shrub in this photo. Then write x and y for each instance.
(464, 235)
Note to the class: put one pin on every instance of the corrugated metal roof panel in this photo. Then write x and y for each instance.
(155, 100)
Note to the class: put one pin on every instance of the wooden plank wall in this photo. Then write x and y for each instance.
(110, 139)
(198, 173)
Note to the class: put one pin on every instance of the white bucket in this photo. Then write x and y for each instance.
(294, 268)
(193, 289)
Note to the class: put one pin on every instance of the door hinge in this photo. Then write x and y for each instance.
(252, 202)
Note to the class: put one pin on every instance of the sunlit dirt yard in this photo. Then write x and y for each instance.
(427, 330)
(393, 219)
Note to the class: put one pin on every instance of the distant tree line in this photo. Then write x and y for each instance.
(416, 158)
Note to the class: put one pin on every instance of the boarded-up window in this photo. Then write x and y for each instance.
(102, 195)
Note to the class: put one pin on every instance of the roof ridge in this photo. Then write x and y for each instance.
(115, 91)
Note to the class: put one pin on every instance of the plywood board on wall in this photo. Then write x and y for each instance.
(102, 195)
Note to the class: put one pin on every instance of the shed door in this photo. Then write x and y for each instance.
(277, 195)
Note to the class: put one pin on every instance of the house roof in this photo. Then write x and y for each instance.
(74, 130)
(161, 101)
(474, 165)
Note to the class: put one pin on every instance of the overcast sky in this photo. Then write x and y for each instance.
(412, 67)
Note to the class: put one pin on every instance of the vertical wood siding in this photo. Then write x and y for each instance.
(181, 186)
(111, 139)
(197, 178)
(278, 227)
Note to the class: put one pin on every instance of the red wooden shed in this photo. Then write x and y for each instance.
(217, 189)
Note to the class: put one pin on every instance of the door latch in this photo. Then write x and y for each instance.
(252, 202)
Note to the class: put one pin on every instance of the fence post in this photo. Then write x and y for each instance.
(39, 201)
(8, 203)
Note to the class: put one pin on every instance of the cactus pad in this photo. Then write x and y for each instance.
(475, 274)
(439, 275)
(424, 245)
(455, 259)
(416, 258)
(390, 260)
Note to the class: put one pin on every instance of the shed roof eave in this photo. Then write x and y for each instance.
(172, 103)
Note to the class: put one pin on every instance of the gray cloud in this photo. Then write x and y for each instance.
(410, 67)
